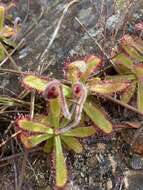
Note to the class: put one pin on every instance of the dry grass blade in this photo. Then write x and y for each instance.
(10, 58)
(26, 152)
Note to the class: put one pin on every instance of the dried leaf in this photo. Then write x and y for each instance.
(7, 32)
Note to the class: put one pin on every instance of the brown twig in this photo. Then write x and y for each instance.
(10, 58)
(123, 104)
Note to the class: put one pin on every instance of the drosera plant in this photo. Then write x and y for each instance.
(7, 33)
(128, 62)
(50, 129)
(68, 105)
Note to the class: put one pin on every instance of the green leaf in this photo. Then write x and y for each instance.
(67, 91)
(128, 93)
(73, 144)
(55, 108)
(61, 168)
(39, 84)
(107, 86)
(9, 42)
(33, 140)
(123, 63)
(121, 78)
(133, 53)
(98, 117)
(92, 63)
(32, 126)
(138, 69)
(75, 69)
(80, 132)
(140, 97)
(48, 146)
(2, 15)
(2, 53)
(35, 82)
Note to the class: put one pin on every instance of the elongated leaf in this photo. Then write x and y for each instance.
(32, 126)
(121, 78)
(132, 47)
(61, 169)
(128, 93)
(140, 97)
(67, 91)
(107, 86)
(92, 63)
(43, 119)
(138, 69)
(2, 15)
(123, 63)
(81, 132)
(33, 140)
(138, 44)
(133, 53)
(35, 82)
(48, 146)
(75, 69)
(98, 117)
(72, 143)
(55, 108)
(8, 42)
(2, 53)
(39, 84)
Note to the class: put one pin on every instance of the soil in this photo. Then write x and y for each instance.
(107, 162)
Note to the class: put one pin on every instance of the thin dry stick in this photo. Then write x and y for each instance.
(12, 136)
(13, 51)
(124, 104)
(41, 66)
(14, 166)
(19, 155)
(10, 58)
(26, 152)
